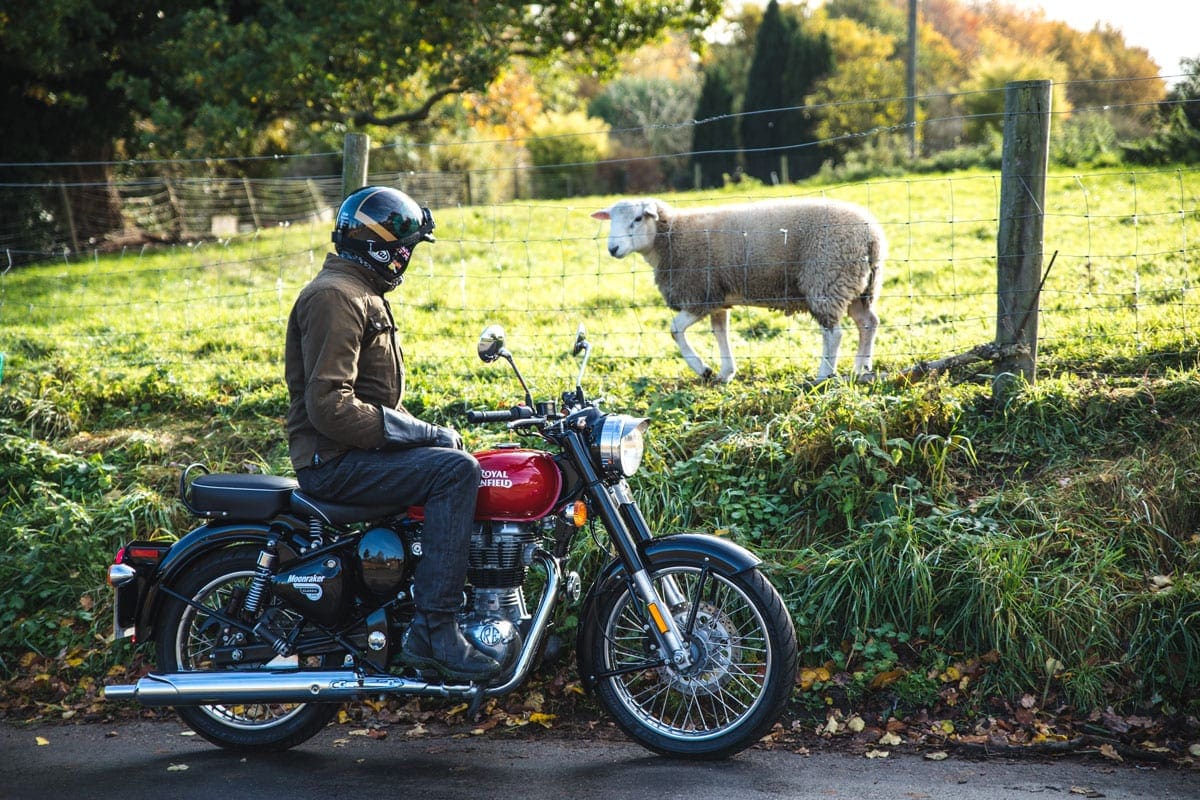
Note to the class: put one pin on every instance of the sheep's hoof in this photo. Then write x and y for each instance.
(708, 376)
(825, 380)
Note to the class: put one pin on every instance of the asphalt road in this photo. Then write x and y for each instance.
(157, 760)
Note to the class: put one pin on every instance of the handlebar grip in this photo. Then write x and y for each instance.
(506, 415)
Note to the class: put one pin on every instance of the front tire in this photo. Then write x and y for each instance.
(743, 645)
(186, 637)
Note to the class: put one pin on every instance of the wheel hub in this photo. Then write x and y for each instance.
(712, 649)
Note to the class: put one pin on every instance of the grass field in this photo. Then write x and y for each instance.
(921, 532)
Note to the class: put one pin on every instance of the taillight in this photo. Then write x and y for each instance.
(133, 558)
(146, 555)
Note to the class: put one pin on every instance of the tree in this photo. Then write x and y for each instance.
(88, 79)
(1177, 140)
(714, 138)
(787, 63)
(649, 117)
(77, 74)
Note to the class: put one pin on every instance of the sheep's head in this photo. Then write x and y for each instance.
(633, 225)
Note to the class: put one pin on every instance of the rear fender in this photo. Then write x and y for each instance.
(197, 543)
(700, 549)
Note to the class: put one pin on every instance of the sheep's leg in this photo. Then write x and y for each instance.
(831, 339)
(684, 320)
(720, 329)
(868, 322)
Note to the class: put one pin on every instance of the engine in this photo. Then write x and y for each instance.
(497, 564)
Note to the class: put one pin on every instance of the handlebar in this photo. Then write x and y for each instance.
(505, 415)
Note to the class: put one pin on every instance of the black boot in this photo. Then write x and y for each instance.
(434, 641)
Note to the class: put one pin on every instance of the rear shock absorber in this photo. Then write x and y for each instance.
(262, 574)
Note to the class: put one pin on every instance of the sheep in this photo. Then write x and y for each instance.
(817, 255)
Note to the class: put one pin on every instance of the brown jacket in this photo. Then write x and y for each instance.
(343, 366)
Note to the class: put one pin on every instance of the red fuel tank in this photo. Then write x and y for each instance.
(515, 484)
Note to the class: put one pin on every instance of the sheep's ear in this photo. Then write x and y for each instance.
(650, 209)
(603, 214)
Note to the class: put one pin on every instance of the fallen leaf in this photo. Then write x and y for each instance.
(416, 730)
(939, 755)
(1028, 701)
(886, 679)
(856, 724)
(876, 754)
(1110, 752)
(177, 768)
(890, 740)
(1159, 582)
(42, 741)
(542, 719)
(1194, 750)
(1085, 791)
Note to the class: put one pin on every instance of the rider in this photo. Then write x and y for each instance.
(350, 439)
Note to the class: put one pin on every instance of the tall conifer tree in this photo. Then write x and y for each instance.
(714, 139)
(787, 64)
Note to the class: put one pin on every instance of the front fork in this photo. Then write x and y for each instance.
(628, 529)
(661, 623)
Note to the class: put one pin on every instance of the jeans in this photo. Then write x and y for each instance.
(443, 480)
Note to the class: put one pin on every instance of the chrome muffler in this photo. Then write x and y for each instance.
(271, 686)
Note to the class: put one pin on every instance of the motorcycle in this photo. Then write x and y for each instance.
(281, 606)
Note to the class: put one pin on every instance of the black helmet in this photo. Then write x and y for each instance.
(378, 227)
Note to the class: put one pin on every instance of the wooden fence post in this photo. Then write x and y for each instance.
(1024, 160)
(354, 162)
(66, 201)
(250, 203)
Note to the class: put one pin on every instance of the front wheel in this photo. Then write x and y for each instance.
(187, 637)
(743, 648)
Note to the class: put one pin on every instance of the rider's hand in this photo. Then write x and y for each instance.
(447, 437)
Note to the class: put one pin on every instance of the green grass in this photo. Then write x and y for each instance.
(1052, 542)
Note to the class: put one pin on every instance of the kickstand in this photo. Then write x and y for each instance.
(476, 703)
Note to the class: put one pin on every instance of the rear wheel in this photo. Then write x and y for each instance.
(187, 638)
(743, 649)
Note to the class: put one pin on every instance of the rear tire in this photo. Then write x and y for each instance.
(186, 637)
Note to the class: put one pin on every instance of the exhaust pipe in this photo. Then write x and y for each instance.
(254, 686)
(325, 686)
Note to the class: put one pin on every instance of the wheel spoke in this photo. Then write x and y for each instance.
(198, 637)
(729, 642)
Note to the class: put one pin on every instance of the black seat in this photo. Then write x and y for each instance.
(339, 513)
(239, 497)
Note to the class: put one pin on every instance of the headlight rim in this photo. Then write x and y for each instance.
(615, 433)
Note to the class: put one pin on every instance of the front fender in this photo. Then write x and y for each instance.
(184, 552)
(722, 555)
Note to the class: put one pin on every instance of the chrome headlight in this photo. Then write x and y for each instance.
(619, 444)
